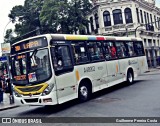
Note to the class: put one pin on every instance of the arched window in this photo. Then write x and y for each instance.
(141, 16)
(128, 15)
(91, 21)
(96, 20)
(151, 18)
(145, 17)
(137, 11)
(155, 21)
(106, 18)
(148, 18)
(117, 16)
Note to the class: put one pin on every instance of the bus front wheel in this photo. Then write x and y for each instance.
(130, 77)
(84, 93)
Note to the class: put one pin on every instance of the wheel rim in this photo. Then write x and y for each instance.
(84, 92)
(130, 78)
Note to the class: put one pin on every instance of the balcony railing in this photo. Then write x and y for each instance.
(119, 27)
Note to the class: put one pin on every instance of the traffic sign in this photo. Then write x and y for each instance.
(3, 58)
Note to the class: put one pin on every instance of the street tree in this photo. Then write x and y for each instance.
(54, 16)
(9, 36)
(51, 16)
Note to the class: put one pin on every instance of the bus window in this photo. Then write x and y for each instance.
(61, 58)
(121, 50)
(110, 50)
(95, 51)
(39, 66)
(139, 48)
(130, 47)
(79, 52)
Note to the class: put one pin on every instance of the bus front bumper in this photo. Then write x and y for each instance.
(50, 99)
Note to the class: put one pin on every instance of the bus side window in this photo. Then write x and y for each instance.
(131, 51)
(112, 50)
(79, 52)
(121, 50)
(95, 51)
(61, 57)
(139, 48)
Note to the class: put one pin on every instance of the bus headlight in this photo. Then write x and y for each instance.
(48, 90)
(16, 93)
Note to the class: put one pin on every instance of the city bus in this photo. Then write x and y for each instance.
(52, 69)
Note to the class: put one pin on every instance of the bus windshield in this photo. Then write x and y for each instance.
(31, 67)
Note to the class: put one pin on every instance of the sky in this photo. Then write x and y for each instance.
(6, 6)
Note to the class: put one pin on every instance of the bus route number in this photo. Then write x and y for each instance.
(89, 69)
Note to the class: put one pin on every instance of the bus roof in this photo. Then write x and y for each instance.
(91, 37)
(81, 37)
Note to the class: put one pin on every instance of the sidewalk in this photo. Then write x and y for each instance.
(153, 69)
(6, 103)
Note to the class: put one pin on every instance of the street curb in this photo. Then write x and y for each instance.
(152, 70)
(9, 107)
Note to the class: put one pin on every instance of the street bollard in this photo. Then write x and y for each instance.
(11, 99)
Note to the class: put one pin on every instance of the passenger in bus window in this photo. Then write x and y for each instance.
(91, 51)
(113, 51)
(17, 68)
(75, 55)
(107, 51)
(130, 51)
(97, 53)
(123, 50)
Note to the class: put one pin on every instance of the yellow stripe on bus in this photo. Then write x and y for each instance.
(17, 88)
(76, 38)
(117, 68)
(77, 75)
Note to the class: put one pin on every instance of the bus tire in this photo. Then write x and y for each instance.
(84, 92)
(130, 77)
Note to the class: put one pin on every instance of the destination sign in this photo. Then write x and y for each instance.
(29, 44)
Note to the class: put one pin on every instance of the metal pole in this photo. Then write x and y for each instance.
(136, 30)
(144, 25)
(127, 31)
(5, 27)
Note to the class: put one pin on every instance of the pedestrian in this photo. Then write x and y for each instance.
(9, 90)
(1, 87)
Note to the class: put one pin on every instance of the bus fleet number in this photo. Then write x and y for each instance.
(89, 69)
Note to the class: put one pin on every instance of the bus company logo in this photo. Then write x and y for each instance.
(6, 120)
(30, 94)
(132, 62)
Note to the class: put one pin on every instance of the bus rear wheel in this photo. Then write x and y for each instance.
(130, 77)
(84, 93)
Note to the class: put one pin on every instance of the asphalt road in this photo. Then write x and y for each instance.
(140, 99)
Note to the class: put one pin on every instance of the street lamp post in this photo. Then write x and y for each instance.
(144, 25)
(136, 29)
(6, 27)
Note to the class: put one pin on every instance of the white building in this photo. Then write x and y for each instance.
(138, 18)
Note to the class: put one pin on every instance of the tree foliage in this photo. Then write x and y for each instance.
(52, 16)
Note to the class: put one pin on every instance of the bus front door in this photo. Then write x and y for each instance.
(64, 73)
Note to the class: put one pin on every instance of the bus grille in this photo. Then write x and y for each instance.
(30, 89)
(30, 94)
(31, 100)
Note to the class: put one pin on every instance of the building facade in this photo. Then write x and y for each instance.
(132, 18)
